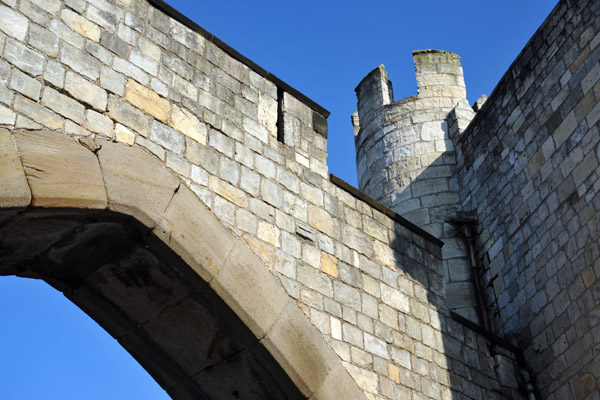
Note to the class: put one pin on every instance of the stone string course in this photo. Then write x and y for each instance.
(529, 168)
(125, 72)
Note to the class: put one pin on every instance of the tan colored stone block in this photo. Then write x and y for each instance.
(321, 220)
(268, 233)
(124, 135)
(148, 101)
(300, 349)
(186, 123)
(588, 277)
(251, 291)
(339, 385)
(329, 264)
(394, 373)
(81, 25)
(195, 234)
(229, 192)
(137, 183)
(264, 251)
(14, 190)
(60, 172)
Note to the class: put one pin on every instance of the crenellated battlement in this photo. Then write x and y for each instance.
(406, 160)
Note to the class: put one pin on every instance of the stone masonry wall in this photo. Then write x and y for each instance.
(529, 168)
(405, 158)
(254, 151)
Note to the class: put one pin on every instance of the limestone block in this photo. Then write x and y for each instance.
(137, 183)
(128, 115)
(98, 123)
(7, 116)
(329, 265)
(26, 123)
(43, 40)
(85, 91)
(147, 100)
(38, 113)
(13, 23)
(227, 191)
(50, 6)
(54, 74)
(195, 234)
(60, 172)
(14, 189)
(81, 62)
(185, 122)
(80, 25)
(112, 81)
(130, 70)
(167, 137)
(300, 350)
(146, 63)
(124, 135)
(241, 278)
(23, 58)
(64, 105)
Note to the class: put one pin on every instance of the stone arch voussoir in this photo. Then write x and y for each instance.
(47, 169)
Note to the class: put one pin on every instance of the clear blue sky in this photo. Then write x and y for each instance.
(49, 349)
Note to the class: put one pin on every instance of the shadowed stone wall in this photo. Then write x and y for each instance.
(528, 167)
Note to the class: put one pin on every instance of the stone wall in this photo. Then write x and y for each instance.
(528, 167)
(254, 151)
(405, 157)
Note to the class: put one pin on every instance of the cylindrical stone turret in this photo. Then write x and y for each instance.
(405, 155)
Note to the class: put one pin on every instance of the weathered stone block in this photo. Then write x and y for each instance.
(167, 137)
(81, 62)
(13, 24)
(23, 58)
(130, 70)
(80, 25)
(64, 105)
(124, 135)
(137, 183)
(98, 123)
(13, 185)
(43, 40)
(85, 91)
(148, 101)
(60, 172)
(38, 113)
(7, 116)
(112, 81)
(128, 115)
(237, 282)
(298, 348)
(205, 249)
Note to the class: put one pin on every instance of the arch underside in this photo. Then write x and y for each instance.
(146, 297)
(127, 241)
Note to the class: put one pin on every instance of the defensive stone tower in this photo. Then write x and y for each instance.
(406, 158)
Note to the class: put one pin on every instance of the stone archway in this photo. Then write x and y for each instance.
(122, 237)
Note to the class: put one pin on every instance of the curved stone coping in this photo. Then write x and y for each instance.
(51, 170)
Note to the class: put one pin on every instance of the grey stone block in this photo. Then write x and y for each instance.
(23, 58)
